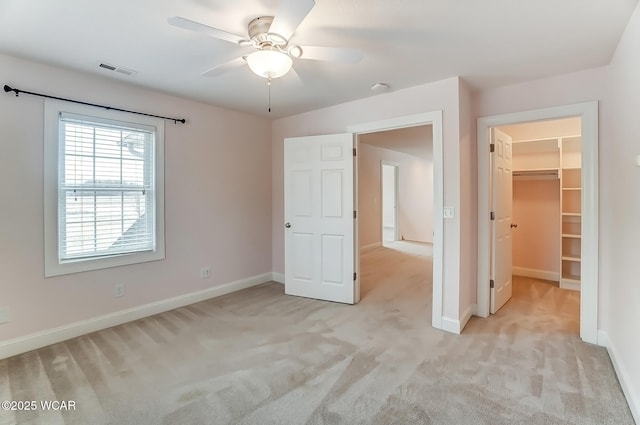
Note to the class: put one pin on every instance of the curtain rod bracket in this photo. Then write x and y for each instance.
(8, 88)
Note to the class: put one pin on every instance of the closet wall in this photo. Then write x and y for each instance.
(536, 211)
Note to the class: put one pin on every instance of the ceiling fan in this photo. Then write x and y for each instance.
(268, 48)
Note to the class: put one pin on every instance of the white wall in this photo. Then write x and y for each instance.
(441, 95)
(467, 210)
(620, 211)
(415, 206)
(217, 202)
(389, 195)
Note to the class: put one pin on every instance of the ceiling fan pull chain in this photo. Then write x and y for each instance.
(269, 89)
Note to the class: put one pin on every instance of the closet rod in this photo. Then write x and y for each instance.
(553, 174)
(8, 89)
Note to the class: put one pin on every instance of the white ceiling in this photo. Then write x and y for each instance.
(405, 43)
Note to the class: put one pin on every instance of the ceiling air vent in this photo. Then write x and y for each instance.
(124, 71)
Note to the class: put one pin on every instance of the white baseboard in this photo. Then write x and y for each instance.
(536, 274)
(633, 398)
(451, 325)
(456, 326)
(603, 339)
(471, 310)
(277, 277)
(37, 340)
(370, 246)
(565, 284)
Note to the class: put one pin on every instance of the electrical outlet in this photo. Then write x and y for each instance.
(119, 290)
(4, 314)
(205, 272)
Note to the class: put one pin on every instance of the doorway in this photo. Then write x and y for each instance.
(546, 205)
(435, 120)
(587, 201)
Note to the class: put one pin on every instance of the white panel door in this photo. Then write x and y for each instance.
(502, 207)
(318, 212)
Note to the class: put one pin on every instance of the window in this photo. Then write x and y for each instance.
(103, 188)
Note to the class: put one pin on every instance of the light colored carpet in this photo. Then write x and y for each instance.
(260, 357)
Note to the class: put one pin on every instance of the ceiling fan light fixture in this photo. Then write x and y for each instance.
(269, 63)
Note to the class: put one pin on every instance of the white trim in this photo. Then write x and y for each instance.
(277, 277)
(589, 264)
(535, 273)
(435, 119)
(625, 379)
(451, 325)
(370, 246)
(52, 265)
(23, 344)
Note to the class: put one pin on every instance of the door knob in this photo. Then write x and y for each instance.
(287, 225)
(514, 225)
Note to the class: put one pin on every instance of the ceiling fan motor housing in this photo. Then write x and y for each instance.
(260, 36)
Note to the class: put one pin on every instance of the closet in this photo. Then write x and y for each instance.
(547, 199)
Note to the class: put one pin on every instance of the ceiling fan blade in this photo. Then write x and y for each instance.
(289, 15)
(333, 54)
(292, 77)
(225, 67)
(194, 26)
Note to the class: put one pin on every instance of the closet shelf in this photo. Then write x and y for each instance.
(568, 258)
(571, 278)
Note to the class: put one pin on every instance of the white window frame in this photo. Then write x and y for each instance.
(52, 264)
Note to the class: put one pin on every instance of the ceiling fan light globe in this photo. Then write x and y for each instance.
(269, 63)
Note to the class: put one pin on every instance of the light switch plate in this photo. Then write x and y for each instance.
(449, 212)
(638, 160)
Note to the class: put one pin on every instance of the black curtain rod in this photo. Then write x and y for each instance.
(18, 91)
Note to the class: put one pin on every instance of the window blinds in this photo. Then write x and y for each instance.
(106, 188)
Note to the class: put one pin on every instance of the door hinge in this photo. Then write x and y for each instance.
(492, 147)
(355, 275)
(355, 214)
(493, 215)
(354, 151)
(491, 284)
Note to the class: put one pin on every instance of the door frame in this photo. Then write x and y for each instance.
(588, 112)
(434, 119)
(396, 189)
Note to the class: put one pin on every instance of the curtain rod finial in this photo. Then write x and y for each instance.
(8, 88)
